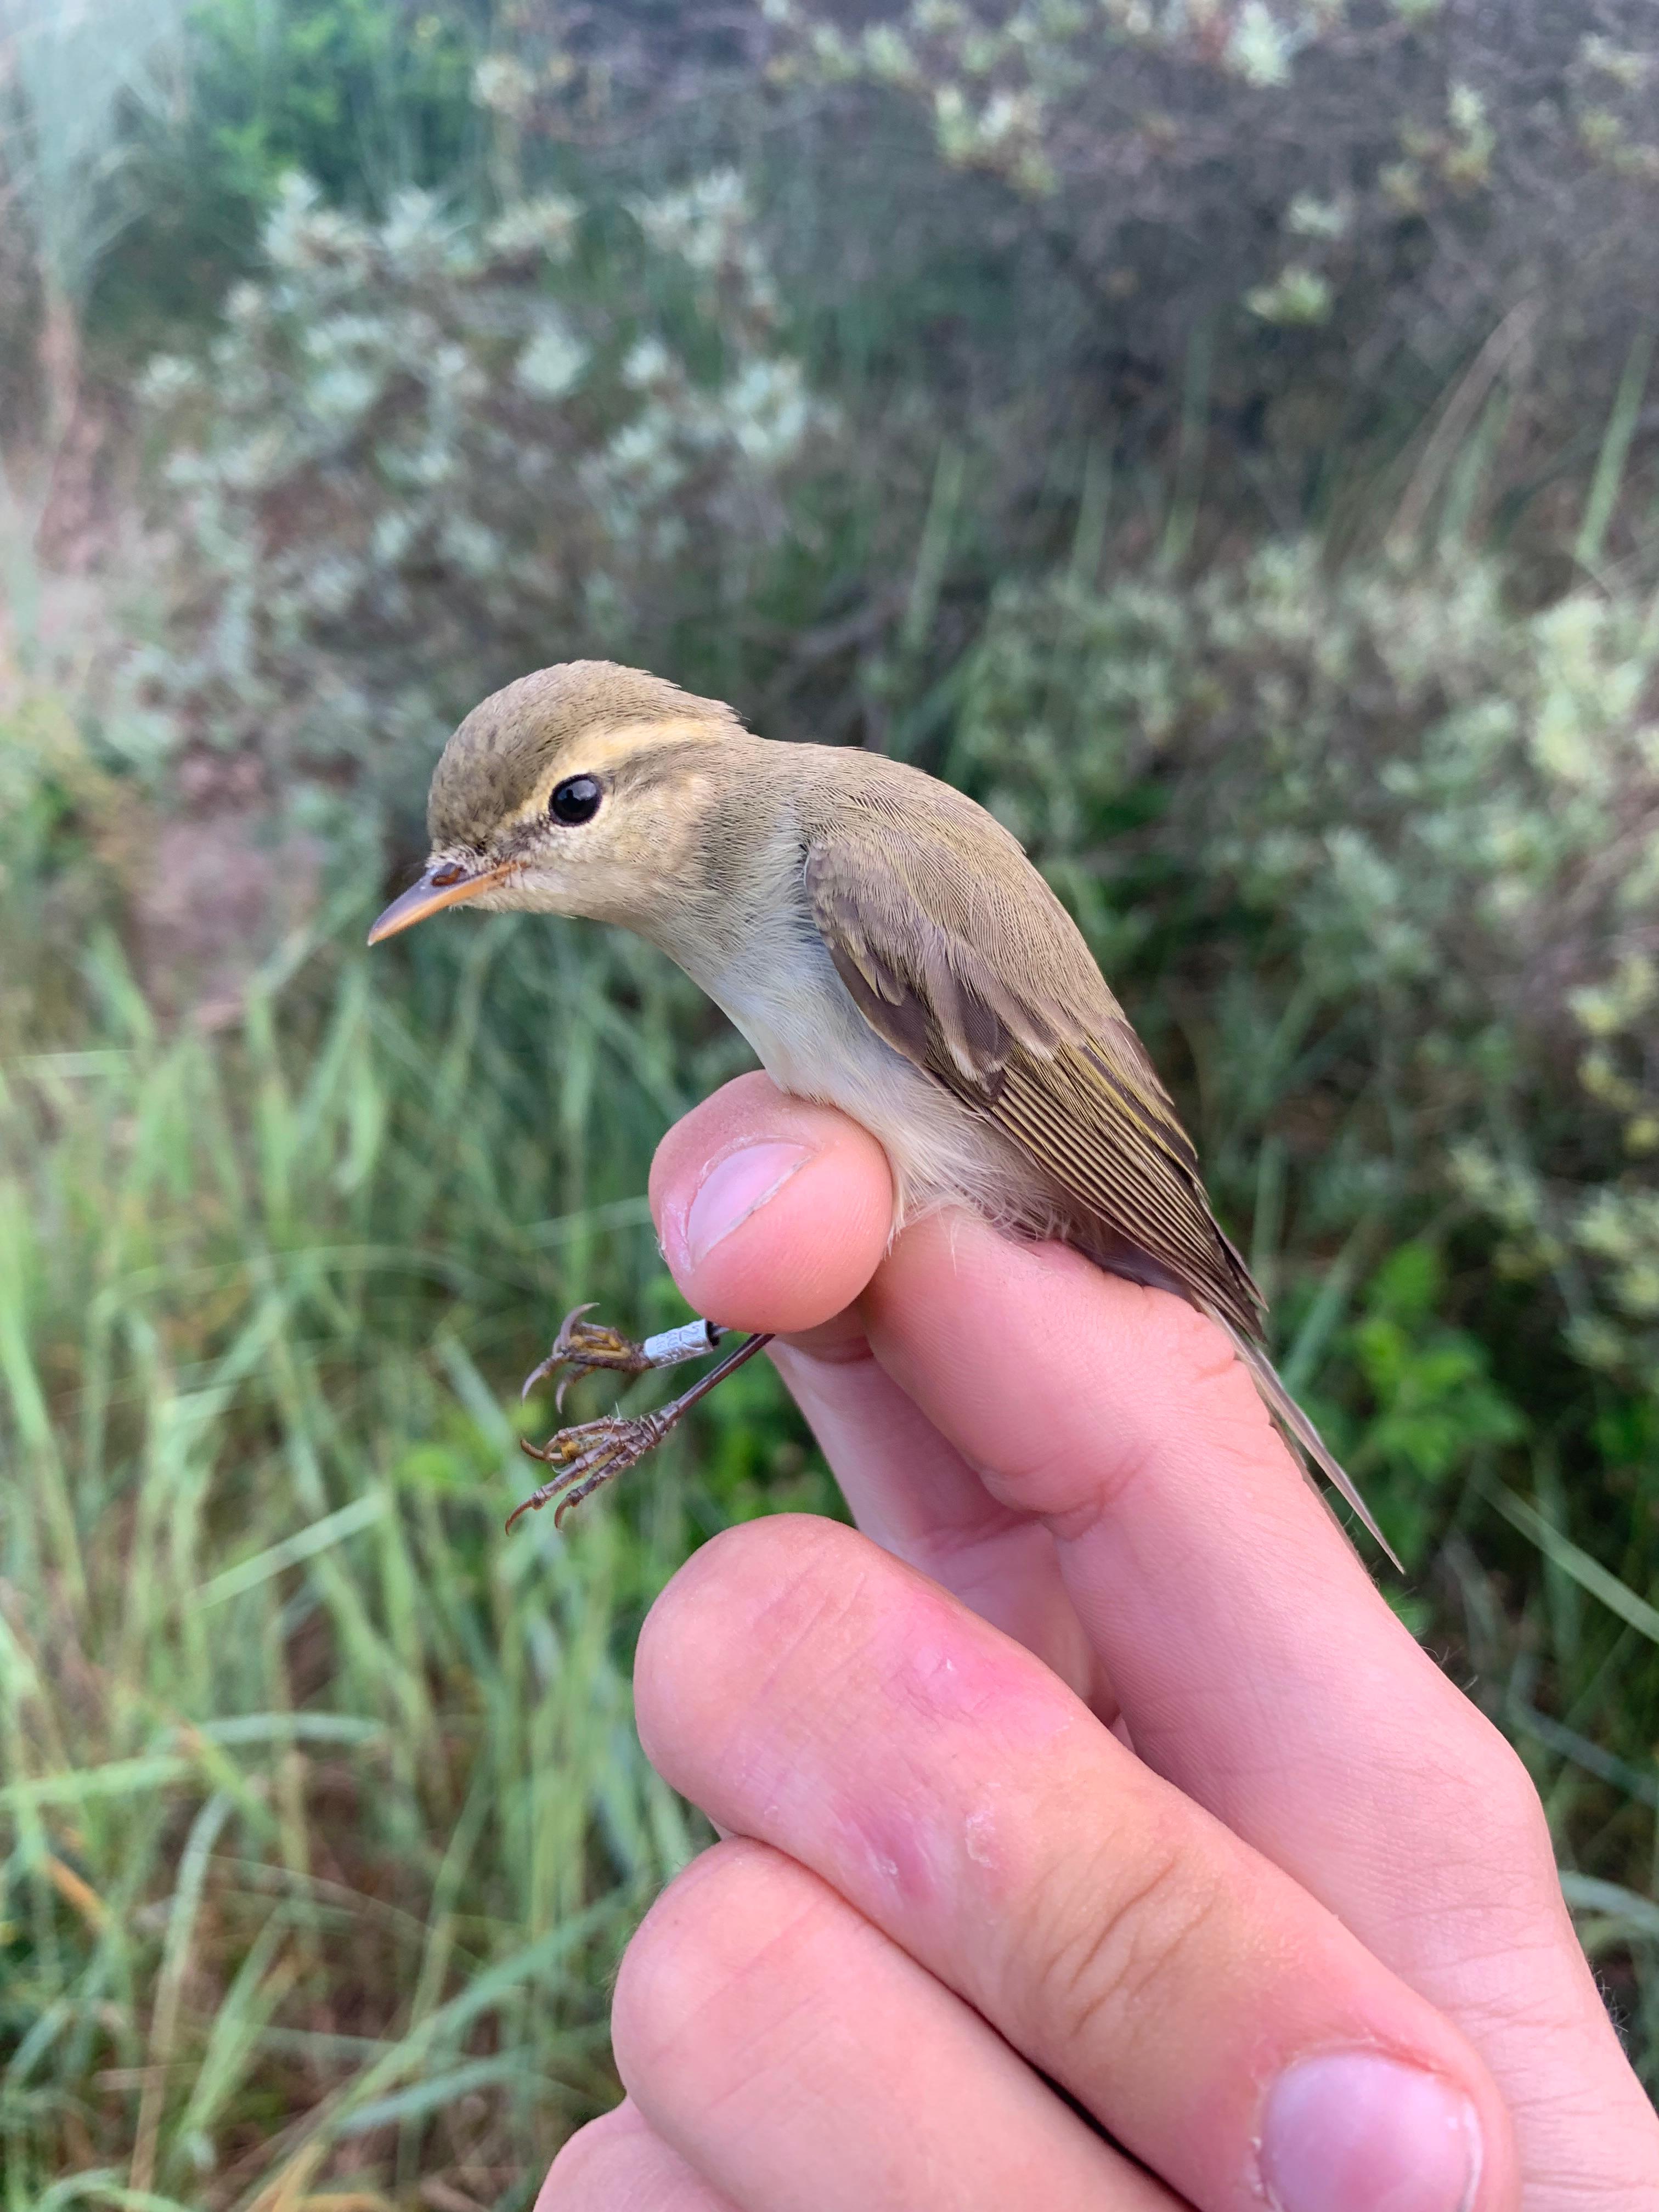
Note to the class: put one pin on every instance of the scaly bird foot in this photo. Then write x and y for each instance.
(589, 1454)
(593, 1452)
(585, 1346)
(582, 1346)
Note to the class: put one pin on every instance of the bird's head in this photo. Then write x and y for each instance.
(582, 790)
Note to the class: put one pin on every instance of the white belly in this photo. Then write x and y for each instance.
(786, 998)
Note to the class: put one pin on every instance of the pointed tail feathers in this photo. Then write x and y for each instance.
(1300, 1431)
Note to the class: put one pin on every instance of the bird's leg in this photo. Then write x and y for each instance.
(594, 1451)
(582, 1346)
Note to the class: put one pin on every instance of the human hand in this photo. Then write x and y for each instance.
(1096, 1835)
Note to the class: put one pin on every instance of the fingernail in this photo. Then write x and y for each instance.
(1351, 2131)
(735, 1187)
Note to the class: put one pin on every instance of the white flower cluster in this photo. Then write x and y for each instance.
(1128, 103)
(1445, 813)
(427, 453)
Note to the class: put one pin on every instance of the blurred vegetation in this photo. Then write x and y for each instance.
(1221, 439)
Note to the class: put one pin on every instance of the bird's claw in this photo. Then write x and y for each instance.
(582, 1346)
(588, 1455)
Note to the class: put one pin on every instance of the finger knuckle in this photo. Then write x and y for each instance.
(1504, 1796)
(1185, 1340)
(673, 1974)
(588, 2168)
(1480, 1783)
(719, 1953)
(1122, 1945)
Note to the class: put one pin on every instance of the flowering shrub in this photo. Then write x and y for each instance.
(429, 453)
(1290, 166)
(1438, 817)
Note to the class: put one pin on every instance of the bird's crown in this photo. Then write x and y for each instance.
(512, 742)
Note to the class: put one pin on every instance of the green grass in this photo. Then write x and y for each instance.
(323, 1817)
(323, 1820)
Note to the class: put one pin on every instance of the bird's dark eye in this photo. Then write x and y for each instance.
(576, 800)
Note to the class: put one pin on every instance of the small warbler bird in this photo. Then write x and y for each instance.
(884, 945)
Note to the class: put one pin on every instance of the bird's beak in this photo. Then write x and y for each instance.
(446, 883)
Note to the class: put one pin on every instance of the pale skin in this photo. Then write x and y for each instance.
(1093, 1758)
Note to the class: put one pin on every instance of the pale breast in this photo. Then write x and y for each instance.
(782, 992)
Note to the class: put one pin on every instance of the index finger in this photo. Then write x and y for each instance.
(1115, 1430)
(1255, 1665)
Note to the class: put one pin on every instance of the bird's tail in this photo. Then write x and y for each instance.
(1300, 1432)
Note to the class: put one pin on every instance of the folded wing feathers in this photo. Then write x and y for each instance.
(1051, 1060)
(927, 955)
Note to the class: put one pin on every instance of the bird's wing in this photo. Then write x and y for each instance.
(966, 962)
